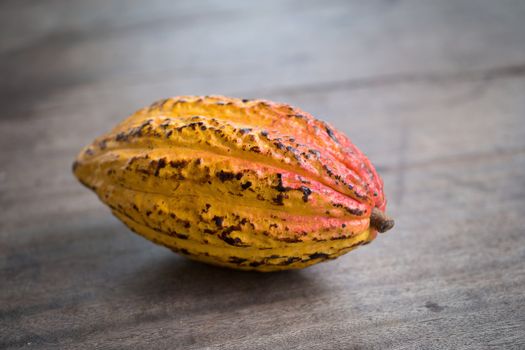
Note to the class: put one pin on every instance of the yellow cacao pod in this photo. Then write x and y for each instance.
(246, 184)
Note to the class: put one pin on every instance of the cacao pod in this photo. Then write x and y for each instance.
(246, 184)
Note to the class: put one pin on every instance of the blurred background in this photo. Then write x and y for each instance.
(431, 91)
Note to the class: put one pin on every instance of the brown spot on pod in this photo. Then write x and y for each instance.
(181, 236)
(234, 241)
(280, 145)
(290, 240)
(331, 134)
(306, 193)
(121, 136)
(207, 207)
(178, 164)
(236, 260)
(165, 123)
(278, 200)
(246, 185)
(318, 256)
(218, 220)
(352, 211)
(290, 260)
(225, 175)
(315, 152)
(160, 165)
(280, 186)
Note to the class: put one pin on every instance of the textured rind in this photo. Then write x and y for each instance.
(247, 184)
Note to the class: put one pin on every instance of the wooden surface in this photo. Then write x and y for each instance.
(432, 91)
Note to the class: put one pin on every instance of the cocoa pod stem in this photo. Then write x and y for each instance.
(380, 221)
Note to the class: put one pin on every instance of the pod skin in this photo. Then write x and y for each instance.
(245, 184)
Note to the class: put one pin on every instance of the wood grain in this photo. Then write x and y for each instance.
(432, 91)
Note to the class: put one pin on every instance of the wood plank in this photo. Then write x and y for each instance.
(431, 91)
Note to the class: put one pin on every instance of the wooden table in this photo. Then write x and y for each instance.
(432, 91)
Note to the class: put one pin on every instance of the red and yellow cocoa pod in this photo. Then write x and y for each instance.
(246, 184)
